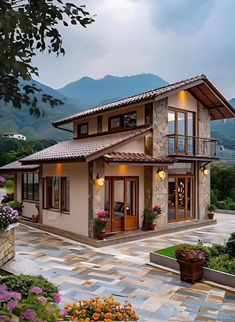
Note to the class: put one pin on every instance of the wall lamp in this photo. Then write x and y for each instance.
(161, 174)
(99, 180)
(205, 171)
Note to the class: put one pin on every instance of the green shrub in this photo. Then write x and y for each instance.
(211, 208)
(217, 249)
(222, 204)
(23, 283)
(223, 263)
(230, 245)
(9, 183)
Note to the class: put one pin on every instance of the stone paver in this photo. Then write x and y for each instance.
(82, 272)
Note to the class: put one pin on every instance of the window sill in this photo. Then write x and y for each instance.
(30, 201)
(57, 210)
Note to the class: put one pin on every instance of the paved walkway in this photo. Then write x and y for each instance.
(82, 272)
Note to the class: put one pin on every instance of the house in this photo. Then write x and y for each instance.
(147, 149)
(16, 136)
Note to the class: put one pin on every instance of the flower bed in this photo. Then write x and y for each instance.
(37, 307)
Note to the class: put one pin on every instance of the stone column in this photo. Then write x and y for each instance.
(96, 192)
(204, 131)
(160, 130)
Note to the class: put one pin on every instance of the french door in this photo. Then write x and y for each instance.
(181, 198)
(121, 203)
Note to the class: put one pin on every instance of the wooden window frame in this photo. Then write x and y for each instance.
(121, 116)
(79, 135)
(27, 199)
(48, 194)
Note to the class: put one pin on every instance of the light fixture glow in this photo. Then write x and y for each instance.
(100, 181)
(161, 175)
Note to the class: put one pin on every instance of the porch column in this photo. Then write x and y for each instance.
(15, 185)
(160, 148)
(96, 192)
(40, 194)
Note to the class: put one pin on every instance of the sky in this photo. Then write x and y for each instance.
(174, 39)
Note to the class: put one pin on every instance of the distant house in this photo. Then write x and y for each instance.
(16, 136)
(126, 156)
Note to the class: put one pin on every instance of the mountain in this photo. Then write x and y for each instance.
(91, 92)
(19, 120)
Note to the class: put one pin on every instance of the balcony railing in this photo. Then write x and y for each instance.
(191, 145)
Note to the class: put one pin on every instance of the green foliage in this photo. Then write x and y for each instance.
(230, 245)
(28, 27)
(222, 263)
(223, 186)
(169, 251)
(211, 207)
(23, 283)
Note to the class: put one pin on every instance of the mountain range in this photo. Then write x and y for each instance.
(88, 92)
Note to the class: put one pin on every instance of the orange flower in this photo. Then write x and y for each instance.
(119, 316)
(96, 316)
(108, 315)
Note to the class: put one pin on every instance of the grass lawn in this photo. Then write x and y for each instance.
(169, 251)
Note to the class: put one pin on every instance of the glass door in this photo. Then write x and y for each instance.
(118, 204)
(180, 198)
(131, 203)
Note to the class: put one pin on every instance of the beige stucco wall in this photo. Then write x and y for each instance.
(183, 100)
(29, 207)
(77, 220)
(134, 146)
(92, 126)
(126, 170)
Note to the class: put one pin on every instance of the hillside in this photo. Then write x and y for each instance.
(92, 92)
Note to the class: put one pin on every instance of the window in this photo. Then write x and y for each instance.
(56, 193)
(82, 129)
(30, 186)
(123, 121)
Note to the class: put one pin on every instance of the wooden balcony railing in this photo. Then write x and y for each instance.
(191, 145)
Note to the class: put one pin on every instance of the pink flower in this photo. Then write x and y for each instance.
(12, 305)
(101, 213)
(57, 298)
(15, 295)
(42, 299)
(29, 314)
(3, 288)
(103, 219)
(35, 290)
(63, 313)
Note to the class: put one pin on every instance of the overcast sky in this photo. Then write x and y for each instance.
(174, 39)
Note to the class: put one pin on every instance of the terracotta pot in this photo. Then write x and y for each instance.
(151, 226)
(211, 215)
(101, 235)
(35, 219)
(190, 272)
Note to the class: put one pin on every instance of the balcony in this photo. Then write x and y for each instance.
(180, 145)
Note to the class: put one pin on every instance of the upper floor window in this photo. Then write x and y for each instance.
(30, 186)
(82, 130)
(123, 121)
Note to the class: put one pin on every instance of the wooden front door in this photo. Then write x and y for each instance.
(121, 203)
(181, 198)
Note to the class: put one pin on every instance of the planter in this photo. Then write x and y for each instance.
(151, 226)
(190, 272)
(211, 215)
(35, 219)
(101, 235)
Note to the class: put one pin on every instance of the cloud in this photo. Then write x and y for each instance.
(174, 39)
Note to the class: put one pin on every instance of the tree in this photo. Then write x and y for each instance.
(28, 27)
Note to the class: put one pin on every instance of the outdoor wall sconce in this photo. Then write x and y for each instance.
(205, 171)
(161, 175)
(99, 180)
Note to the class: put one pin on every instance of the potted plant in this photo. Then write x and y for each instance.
(100, 223)
(17, 205)
(151, 216)
(211, 208)
(190, 263)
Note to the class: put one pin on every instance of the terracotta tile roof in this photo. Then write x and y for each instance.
(135, 158)
(132, 99)
(84, 149)
(17, 166)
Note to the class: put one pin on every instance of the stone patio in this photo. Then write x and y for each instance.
(82, 272)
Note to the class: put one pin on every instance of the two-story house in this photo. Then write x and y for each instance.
(147, 149)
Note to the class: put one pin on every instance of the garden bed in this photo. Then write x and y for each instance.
(165, 257)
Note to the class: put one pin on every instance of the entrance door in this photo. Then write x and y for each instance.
(121, 203)
(180, 198)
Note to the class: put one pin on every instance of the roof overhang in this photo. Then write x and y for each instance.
(18, 167)
(183, 158)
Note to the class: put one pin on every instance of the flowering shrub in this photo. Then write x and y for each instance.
(2, 180)
(152, 215)
(7, 197)
(8, 216)
(101, 221)
(190, 255)
(35, 308)
(97, 309)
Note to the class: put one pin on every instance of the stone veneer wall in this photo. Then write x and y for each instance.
(96, 193)
(7, 246)
(204, 130)
(160, 130)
